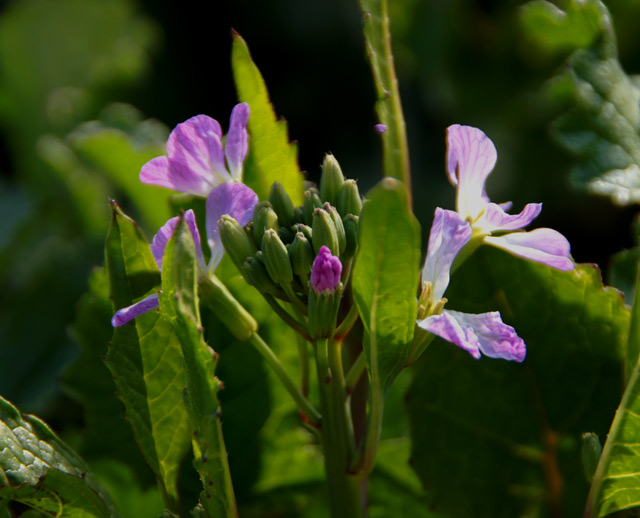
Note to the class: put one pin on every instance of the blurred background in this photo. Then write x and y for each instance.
(89, 90)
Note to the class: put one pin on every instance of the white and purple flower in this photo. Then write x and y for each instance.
(197, 160)
(479, 334)
(236, 200)
(471, 156)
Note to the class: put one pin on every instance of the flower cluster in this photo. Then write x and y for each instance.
(196, 165)
(471, 156)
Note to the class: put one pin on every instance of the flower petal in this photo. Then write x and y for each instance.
(484, 333)
(449, 233)
(195, 164)
(496, 219)
(235, 199)
(237, 144)
(542, 245)
(159, 242)
(127, 314)
(471, 156)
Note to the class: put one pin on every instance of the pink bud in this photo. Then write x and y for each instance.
(326, 271)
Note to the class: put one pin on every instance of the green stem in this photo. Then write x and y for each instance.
(297, 304)
(303, 355)
(284, 315)
(337, 436)
(356, 370)
(345, 326)
(389, 108)
(312, 415)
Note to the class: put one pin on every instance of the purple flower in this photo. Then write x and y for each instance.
(471, 156)
(326, 271)
(234, 199)
(380, 128)
(477, 334)
(196, 161)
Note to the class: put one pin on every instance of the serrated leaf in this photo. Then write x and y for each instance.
(500, 439)
(39, 470)
(616, 482)
(145, 357)
(385, 283)
(601, 127)
(271, 156)
(179, 305)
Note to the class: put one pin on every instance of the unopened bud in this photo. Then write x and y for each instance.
(324, 295)
(276, 258)
(351, 233)
(311, 202)
(349, 201)
(235, 240)
(282, 204)
(337, 221)
(324, 232)
(301, 254)
(255, 273)
(264, 217)
(331, 180)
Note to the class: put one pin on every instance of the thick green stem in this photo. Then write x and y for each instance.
(378, 42)
(337, 434)
(312, 415)
(355, 372)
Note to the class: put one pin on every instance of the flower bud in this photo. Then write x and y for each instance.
(351, 232)
(349, 201)
(276, 258)
(282, 204)
(305, 229)
(264, 217)
(301, 254)
(324, 295)
(235, 240)
(311, 202)
(331, 180)
(255, 273)
(337, 221)
(324, 232)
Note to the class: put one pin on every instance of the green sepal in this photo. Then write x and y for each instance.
(264, 217)
(331, 180)
(350, 223)
(255, 273)
(311, 202)
(339, 226)
(235, 240)
(323, 312)
(276, 258)
(282, 204)
(349, 201)
(324, 232)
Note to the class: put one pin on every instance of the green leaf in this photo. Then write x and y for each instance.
(145, 357)
(106, 434)
(378, 42)
(271, 156)
(39, 470)
(501, 439)
(179, 305)
(554, 30)
(602, 123)
(385, 283)
(385, 278)
(616, 482)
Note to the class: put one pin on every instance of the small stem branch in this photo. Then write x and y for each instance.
(356, 370)
(284, 315)
(312, 415)
(303, 354)
(346, 325)
(295, 300)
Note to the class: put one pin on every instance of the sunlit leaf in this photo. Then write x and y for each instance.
(39, 470)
